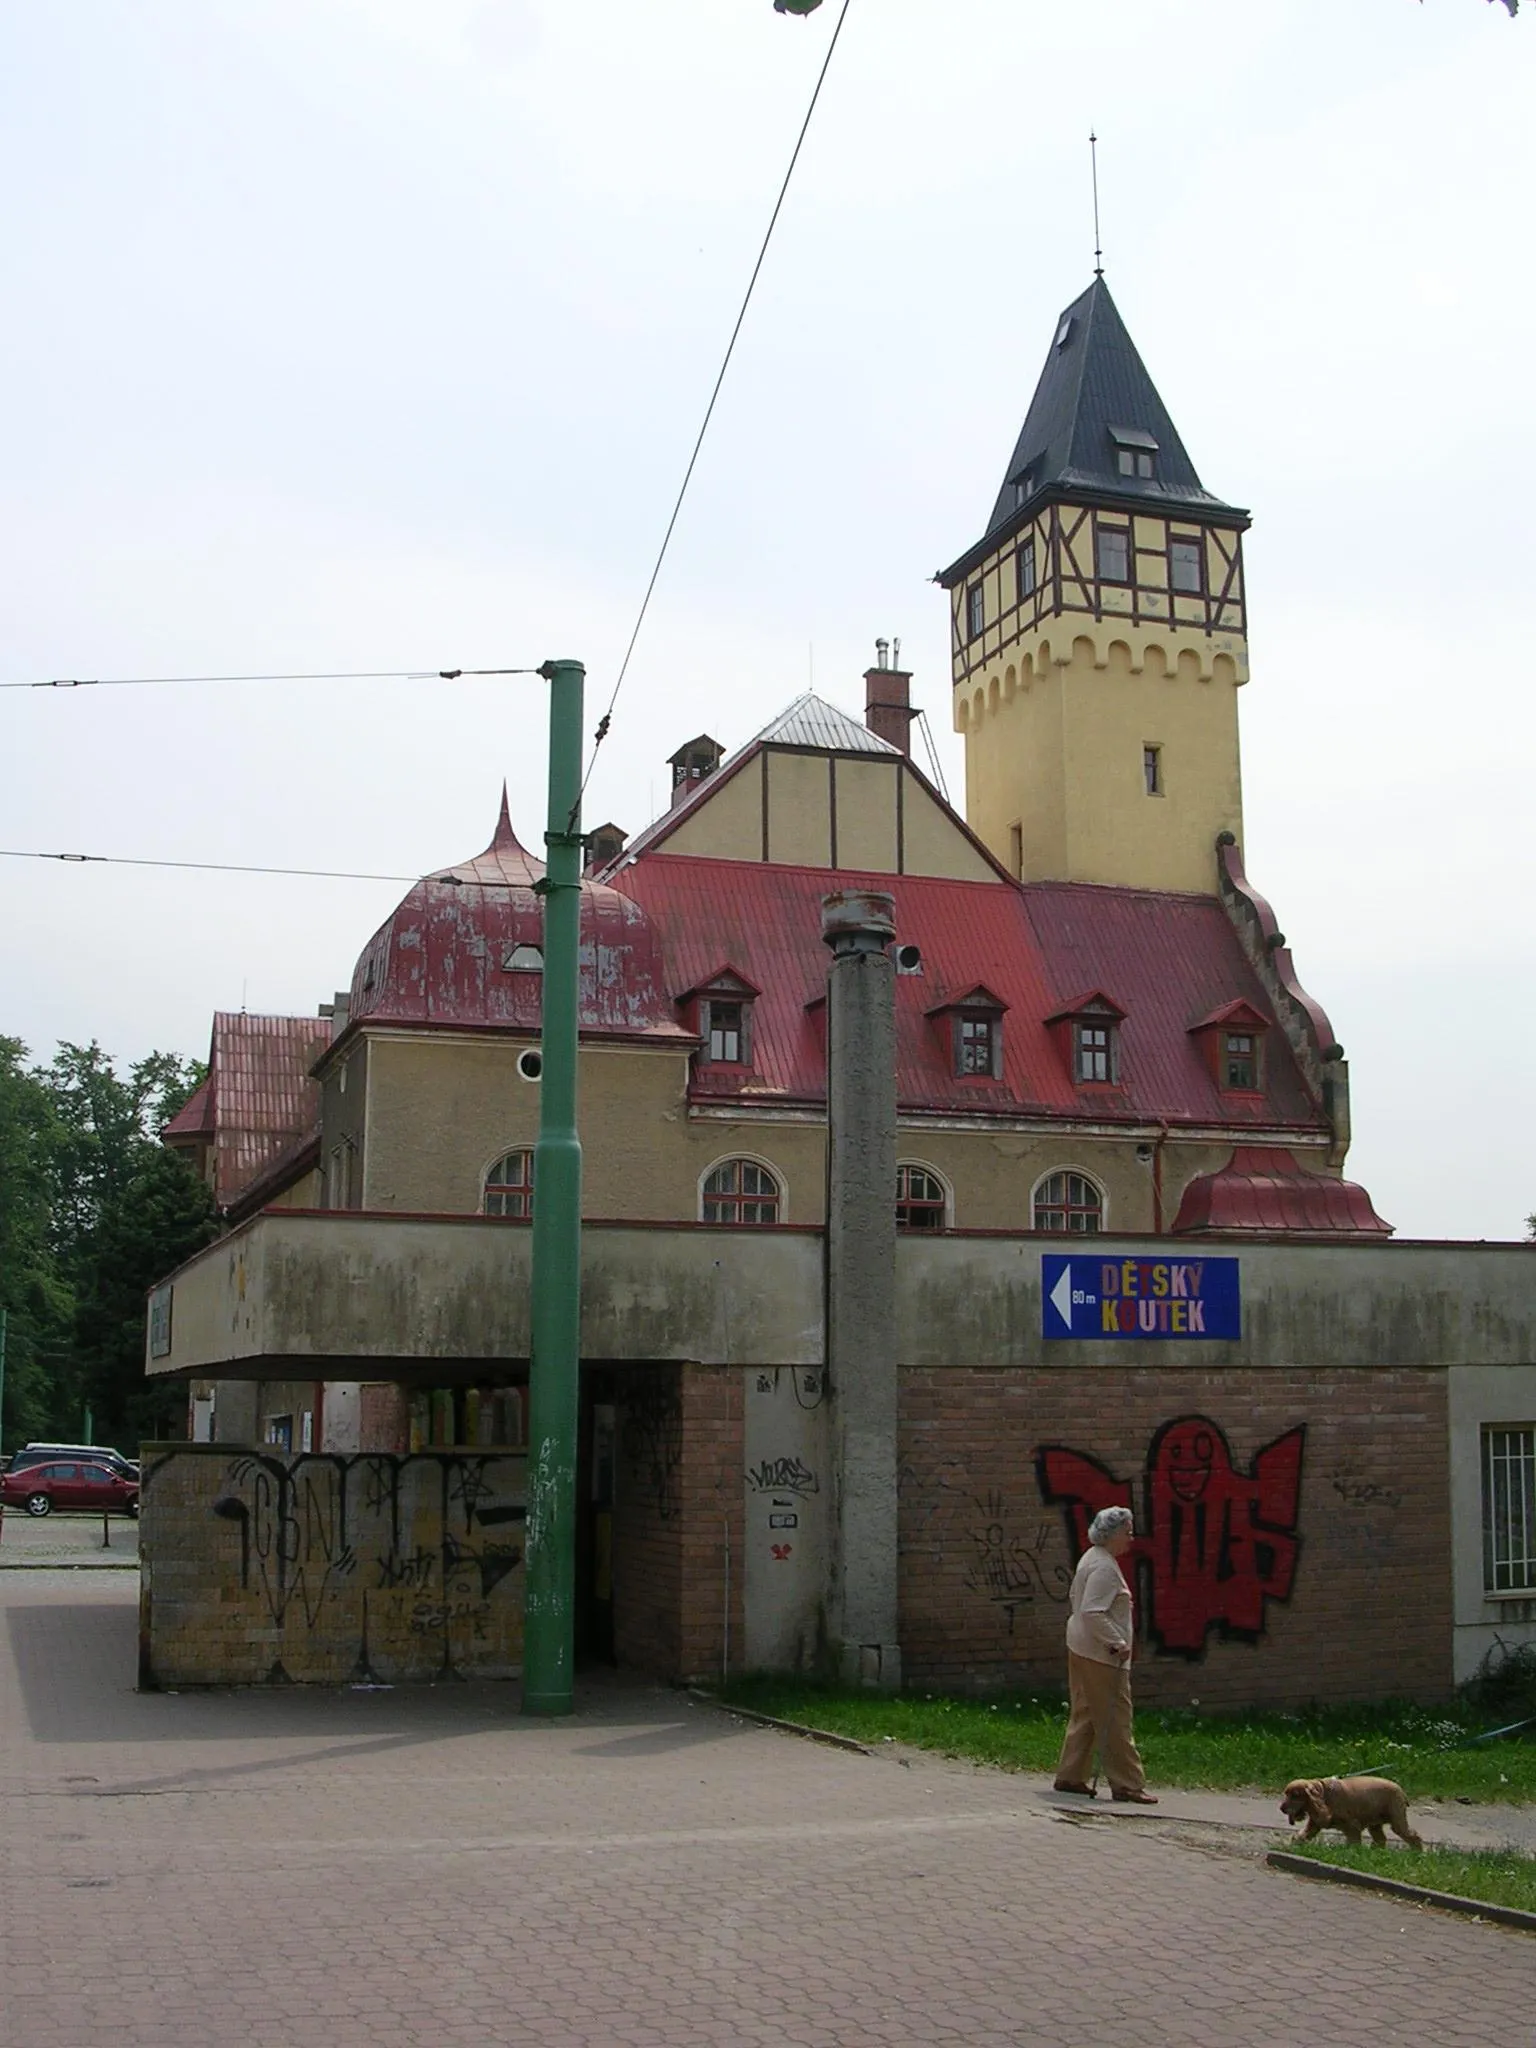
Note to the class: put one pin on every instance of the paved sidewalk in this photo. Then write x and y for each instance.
(323, 1870)
(47, 1542)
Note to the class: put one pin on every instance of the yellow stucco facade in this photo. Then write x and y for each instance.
(1100, 717)
(795, 807)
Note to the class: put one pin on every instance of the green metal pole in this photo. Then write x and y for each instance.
(549, 1617)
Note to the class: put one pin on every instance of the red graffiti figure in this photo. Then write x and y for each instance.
(1214, 1542)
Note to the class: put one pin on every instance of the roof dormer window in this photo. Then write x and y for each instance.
(1135, 452)
(1087, 1032)
(973, 1023)
(523, 959)
(1232, 1039)
(724, 1025)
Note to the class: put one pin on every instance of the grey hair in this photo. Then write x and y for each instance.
(1108, 1522)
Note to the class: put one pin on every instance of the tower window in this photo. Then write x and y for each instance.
(1026, 568)
(1152, 770)
(1094, 1052)
(1240, 1059)
(1112, 550)
(1016, 849)
(1135, 462)
(1186, 566)
(975, 611)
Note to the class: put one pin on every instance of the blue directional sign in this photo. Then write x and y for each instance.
(1149, 1299)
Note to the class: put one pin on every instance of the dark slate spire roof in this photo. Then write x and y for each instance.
(1094, 395)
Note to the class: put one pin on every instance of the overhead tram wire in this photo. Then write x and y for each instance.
(213, 867)
(666, 540)
(337, 675)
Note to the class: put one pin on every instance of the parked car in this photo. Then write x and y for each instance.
(99, 1454)
(69, 1483)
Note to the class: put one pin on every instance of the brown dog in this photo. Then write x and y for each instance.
(1351, 1805)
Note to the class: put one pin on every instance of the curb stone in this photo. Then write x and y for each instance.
(1415, 1894)
(788, 1727)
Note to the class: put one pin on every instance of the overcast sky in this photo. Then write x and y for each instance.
(368, 334)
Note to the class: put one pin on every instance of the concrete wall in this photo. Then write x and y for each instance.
(1316, 1306)
(1486, 1624)
(453, 1293)
(257, 1568)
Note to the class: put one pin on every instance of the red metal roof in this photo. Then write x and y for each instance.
(444, 957)
(1168, 959)
(1263, 1189)
(262, 1095)
(194, 1119)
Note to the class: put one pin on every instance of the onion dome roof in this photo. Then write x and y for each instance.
(465, 949)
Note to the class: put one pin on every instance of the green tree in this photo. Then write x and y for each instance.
(93, 1212)
(160, 1216)
(38, 1304)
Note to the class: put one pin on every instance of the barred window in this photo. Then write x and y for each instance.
(1509, 1510)
(509, 1186)
(1069, 1202)
(919, 1199)
(741, 1191)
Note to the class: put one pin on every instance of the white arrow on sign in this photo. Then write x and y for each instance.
(1061, 1296)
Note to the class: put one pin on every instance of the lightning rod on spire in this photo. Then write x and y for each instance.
(1098, 253)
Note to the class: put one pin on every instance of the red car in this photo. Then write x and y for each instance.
(69, 1483)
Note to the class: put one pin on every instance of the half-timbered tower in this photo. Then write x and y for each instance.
(1099, 633)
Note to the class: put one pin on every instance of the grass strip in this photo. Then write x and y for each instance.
(1182, 1747)
(1493, 1877)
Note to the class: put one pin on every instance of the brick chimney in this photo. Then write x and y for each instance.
(888, 709)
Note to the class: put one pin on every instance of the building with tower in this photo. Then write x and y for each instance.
(1108, 1094)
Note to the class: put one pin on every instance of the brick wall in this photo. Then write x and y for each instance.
(255, 1567)
(679, 1507)
(986, 1560)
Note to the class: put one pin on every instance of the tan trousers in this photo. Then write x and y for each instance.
(1100, 1696)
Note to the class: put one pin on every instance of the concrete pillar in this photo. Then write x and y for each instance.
(861, 1284)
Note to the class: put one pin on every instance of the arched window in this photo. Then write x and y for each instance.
(920, 1199)
(509, 1186)
(1070, 1202)
(740, 1191)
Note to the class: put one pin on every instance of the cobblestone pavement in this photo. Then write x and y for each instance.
(83, 1541)
(318, 1870)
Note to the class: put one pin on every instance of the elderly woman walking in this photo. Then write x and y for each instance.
(1099, 1666)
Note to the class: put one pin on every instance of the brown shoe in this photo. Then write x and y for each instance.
(1140, 1797)
(1074, 1785)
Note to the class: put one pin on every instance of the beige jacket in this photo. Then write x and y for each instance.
(1101, 1608)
